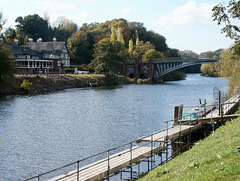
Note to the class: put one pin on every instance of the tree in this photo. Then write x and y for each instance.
(78, 48)
(10, 34)
(105, 59)
(33, 26)
(141, 48)
(152, 53)
(130, 49)
(229, 65)
(113, 34)
(65, 28)
(6, 64)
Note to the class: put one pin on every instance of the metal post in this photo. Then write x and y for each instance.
(219, 102)
(167, 143)
(108, 156)
(121, 174)
(78, 170)
(38, 177)
(151, 150)
(131, 160)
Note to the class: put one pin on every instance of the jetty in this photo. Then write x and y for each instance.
(165, 144)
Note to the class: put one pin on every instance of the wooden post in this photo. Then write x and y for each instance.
(176, 115)
(180, 111)
(205, 107)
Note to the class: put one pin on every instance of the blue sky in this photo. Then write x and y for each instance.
(186, 24)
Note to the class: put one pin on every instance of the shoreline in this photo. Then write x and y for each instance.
(52, 83)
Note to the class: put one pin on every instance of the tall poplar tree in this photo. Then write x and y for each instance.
(130, 49)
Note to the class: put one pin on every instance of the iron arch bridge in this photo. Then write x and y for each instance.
(156, 68)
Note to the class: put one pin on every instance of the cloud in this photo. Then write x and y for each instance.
(81, 16)
(189, 14)
(126, 10)
(54, 5)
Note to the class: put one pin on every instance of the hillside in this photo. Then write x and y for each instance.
(214, 158)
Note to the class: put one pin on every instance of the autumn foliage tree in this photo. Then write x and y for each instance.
(229, 66)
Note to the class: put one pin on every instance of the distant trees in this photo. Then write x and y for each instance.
(212, 54)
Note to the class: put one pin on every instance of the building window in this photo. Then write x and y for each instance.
(59, 63)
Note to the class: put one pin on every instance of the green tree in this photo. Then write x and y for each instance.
(78, 48)
(65, 28)
(6, 63)
(10, 34)
(229, 65)
(152, 53)
(33, 26)
(141, 48)
(105, 59)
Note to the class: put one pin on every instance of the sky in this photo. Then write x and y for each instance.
(186, 24)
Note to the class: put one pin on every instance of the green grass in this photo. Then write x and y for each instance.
(214, 158)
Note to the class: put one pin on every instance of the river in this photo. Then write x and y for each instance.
(41, 132)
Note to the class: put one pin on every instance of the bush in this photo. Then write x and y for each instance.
(26, 85)
(69, 70)
(112, 79)
(143, 81)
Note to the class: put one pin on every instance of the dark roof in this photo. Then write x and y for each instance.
(47, 46)
(18, 50)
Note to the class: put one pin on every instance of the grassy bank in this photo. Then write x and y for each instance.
(214, 158)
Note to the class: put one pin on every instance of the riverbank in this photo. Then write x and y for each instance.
(44, 84)
(214, 158)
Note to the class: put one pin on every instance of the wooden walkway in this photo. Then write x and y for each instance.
(171, 133)
(99, 170)
(227, 106)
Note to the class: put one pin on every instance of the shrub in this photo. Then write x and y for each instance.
(26, 85)
(143, 81)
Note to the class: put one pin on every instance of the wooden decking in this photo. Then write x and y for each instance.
(227, 106)
(99, 169)
(171, 133)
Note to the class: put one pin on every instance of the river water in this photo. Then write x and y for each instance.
(41, 132)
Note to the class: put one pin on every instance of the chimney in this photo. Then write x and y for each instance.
(39, 42)
(30, 40)
(16, 41)
(54, 43)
